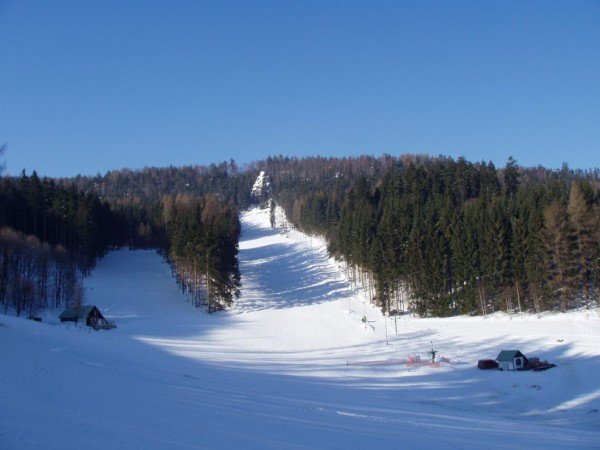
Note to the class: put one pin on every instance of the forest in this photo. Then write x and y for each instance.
(441, 237)
(52, 232)
(50, 236)
(430, 235)
(191, 214)
(203, 236)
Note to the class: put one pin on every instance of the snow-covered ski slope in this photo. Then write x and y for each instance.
(291, 366)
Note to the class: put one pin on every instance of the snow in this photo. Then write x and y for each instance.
(291, 366)
(261, 185)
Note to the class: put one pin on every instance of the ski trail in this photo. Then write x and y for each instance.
(289, 367)
(280, 271)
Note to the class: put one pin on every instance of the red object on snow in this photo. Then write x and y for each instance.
(485, 364)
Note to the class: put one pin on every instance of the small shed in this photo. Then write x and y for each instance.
(512, 360)
(85, 315)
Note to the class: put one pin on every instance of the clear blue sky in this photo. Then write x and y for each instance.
(88, 86)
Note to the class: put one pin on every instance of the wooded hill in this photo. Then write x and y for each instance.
(203, 236)
(191, 214)
(52, 232)
(443, 237)
(49, 236)
(437, 236)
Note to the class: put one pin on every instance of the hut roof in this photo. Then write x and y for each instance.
(78, 312)
(509, 355)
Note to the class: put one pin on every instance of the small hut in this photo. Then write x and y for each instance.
(512, 360)
(86, 315)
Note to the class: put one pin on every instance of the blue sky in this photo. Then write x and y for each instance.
(89, 86)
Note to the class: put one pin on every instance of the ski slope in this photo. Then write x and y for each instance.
(291, 366)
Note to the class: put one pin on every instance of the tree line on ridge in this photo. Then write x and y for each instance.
(52, 232)
(443, 237)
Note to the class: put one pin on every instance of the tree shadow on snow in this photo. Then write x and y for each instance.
(282, 273)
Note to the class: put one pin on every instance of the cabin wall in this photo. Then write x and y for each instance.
(506, 365)
(517, 363)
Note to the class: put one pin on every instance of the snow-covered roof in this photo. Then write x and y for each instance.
(77, 312)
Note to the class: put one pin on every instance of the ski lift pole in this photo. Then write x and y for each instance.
(432, 352)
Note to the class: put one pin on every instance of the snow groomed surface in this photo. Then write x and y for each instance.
(291, 366)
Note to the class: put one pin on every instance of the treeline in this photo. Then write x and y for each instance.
(434, 235)
(149, 185)
(50, 235)
(292, 179)
(35, 275)
(203, 236)
(58, 215)
(191, 215)
(445, 237)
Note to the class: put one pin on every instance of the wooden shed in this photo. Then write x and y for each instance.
(512, 360)
(86, 315)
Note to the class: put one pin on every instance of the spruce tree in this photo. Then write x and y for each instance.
(585, 235)
(562, 252)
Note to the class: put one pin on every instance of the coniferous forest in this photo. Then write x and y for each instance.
(431, 235)
(443, 237)
(203, 236)
(52, 232)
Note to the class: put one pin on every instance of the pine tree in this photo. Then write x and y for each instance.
(581, 219)
(511, 178)
(562, 252)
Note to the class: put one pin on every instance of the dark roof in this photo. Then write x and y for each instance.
(509, 355)
(79, 312)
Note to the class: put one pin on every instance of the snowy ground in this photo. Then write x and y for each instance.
(292, 366)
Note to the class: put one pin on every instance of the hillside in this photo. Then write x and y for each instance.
(290, 366)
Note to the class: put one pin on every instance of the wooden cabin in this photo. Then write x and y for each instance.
(512, 360)
(86, 315)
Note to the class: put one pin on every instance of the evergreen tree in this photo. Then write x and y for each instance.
(511, 177)
(562, 252)
(585, 235)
